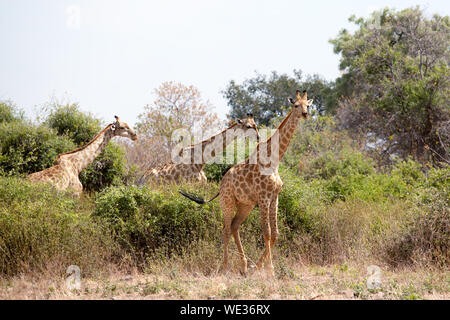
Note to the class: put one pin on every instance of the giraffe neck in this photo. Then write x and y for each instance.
(209, 147)
(280, 140)
(82, 157)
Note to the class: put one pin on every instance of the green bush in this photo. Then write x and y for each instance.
(216, 171)
(425, 237)
(46, 230)
(145, 218)
(70, 121)
(26, 148)
(106, 170)
(9, 112)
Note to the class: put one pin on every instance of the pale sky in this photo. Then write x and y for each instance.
(112, 58)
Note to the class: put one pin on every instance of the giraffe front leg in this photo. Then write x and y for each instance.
(273, 217)
(227, 205)
(264, 208)
(76, 186)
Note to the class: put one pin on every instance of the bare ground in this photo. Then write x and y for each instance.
(335, 282)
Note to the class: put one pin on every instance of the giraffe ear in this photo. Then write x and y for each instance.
(310, 102)
(239, 121)
(113, 127)
(291, 100)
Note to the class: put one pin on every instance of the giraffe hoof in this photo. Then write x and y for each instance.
(224, 270)
(251, 269)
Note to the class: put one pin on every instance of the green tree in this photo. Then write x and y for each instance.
(26, 148)
(69, 120)
(396, 82)
(266, 95)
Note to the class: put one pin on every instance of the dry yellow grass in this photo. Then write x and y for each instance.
(293, 281)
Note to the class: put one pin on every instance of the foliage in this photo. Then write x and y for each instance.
(216, 171)
(9, 112)
(42, 229)
(26, 148)
(425, 238)
(396, 82)
(107, 169)
(69, 120)
(266, 96)
(146, 218)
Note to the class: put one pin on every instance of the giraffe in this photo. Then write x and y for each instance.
(256, 182)
(191, 169)
(67, 166)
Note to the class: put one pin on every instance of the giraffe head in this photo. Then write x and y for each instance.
(248, 124)
(301, 103)
(122, 129)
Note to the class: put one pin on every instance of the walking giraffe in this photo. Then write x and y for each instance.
(256, 182)
(67, 167)
(196, 156)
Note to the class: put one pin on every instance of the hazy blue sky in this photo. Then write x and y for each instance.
(122, 49)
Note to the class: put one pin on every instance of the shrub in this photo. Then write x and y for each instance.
(42, 229)
(216, 171)
(106, 170)
(70, 121)
(26, 148)
(9, 112)
(425, 236)
(145, 218)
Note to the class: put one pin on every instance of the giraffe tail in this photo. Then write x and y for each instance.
(198, 200)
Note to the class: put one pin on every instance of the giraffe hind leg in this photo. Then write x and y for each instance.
(265, 225)
(273, 216)
(227, 203)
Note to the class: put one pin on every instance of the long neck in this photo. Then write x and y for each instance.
(82, 157)
(278, 142)
(211, 147)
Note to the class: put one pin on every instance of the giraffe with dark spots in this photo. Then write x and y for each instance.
(248, 184)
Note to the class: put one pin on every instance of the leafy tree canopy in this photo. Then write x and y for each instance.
(266, 95)
(396, 81)
(68, 119)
